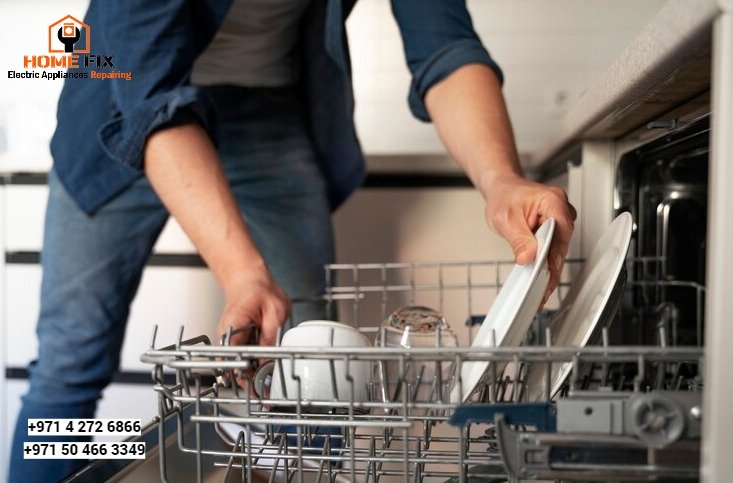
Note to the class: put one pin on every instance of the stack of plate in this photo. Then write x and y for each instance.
(575, 323)
(593, 297)
(511, 314)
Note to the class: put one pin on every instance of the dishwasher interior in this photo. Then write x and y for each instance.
(630, 409)
(626, 412)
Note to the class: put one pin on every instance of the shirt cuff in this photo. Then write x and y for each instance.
(123, 138)
(443, 63)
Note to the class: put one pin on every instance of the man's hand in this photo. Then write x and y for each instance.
(515, 208)
(468, 110)
(254, 299)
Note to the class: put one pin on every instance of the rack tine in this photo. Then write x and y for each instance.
(155, 334)
(329, 295)
(383, 271)
(469, 301)
(437, 393)
(604, 366)
(418, 466)
(493, 372)
(197, 433)
(282, 448)
(325, 452)
(441, 288)
(299, 414)
(228, 336)
(548, 367)
(515, 384)
(371, 467)
(662, 369)
(352, 453)
(574, 372)
(240, 438)
(357, 293)
(350, 379)
(332, 368)
(459, 374)
(640, 374)
(418, 383)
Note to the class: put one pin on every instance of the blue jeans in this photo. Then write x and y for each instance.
(92, 265)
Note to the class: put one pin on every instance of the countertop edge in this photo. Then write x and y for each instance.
(681, 26)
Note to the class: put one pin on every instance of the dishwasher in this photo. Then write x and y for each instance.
(631, 412)
(630, 409)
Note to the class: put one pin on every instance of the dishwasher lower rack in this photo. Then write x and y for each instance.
(627, 412)
(427, 439)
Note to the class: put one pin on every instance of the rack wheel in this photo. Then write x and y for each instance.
(656, 419)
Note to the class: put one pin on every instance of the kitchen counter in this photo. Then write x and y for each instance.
(666, 65)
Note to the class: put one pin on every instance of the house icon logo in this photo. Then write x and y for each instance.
(69, 35)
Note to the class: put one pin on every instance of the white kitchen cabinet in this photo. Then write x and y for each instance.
(26, 205)
(168, 296)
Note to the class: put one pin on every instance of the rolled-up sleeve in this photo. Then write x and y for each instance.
(123, 137)
(438, 38)
(157, 42)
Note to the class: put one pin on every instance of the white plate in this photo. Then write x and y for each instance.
(511, 313)
(580, 311)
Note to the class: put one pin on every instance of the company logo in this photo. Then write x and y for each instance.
(69, 35)
(69, 52)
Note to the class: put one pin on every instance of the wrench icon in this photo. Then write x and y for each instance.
(69, 41)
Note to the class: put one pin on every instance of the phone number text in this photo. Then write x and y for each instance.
(124, 450)
(71, 427)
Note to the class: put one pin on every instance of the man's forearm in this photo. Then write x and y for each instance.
(470, 115)
(185, 171)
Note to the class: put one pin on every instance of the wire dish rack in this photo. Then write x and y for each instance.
(625, 412)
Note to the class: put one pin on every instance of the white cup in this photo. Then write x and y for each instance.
(319, 381)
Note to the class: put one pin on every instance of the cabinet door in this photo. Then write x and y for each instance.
(24, 215)
(168, 296)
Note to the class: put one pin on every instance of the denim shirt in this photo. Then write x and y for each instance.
(103, 124)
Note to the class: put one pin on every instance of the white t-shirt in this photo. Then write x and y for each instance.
(254, 46)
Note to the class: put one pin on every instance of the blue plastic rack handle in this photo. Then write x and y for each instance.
(539, 415)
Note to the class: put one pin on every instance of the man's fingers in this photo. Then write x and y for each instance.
(268, 334)
(561, 240)
(272, 319)
(243, 337)
(241, 329)
(560, 244)
(516, 231)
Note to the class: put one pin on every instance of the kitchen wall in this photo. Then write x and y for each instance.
(550, 51)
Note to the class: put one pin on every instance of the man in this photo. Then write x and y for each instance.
(238, 122)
